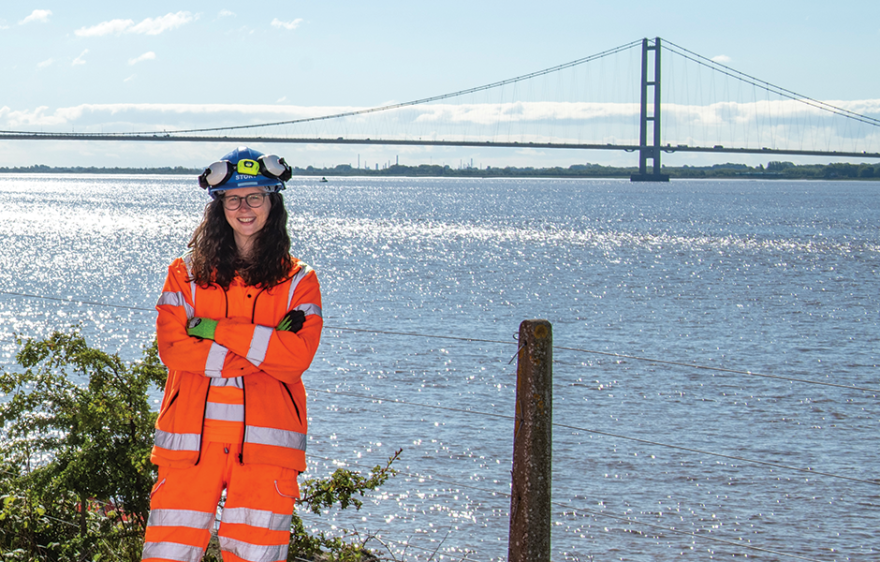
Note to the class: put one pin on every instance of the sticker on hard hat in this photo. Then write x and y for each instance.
(242, 181)
(249, 167)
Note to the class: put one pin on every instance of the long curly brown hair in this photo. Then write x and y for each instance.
(215, 257)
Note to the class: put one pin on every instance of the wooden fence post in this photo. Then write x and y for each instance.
(530, 509)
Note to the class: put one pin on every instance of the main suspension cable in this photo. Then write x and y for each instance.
(778, 90)
(374, 109)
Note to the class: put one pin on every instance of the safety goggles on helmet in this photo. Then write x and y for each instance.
(269, 166)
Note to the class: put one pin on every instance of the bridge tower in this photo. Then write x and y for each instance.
(652, 151)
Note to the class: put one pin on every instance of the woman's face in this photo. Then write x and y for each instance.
(245, 221)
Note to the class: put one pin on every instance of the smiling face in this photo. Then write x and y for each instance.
(245, 221)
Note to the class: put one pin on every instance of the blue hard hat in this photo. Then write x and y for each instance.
(245, 167)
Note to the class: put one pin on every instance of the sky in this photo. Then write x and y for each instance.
(108, 66)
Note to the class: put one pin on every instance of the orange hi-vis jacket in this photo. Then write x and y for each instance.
(247, 352)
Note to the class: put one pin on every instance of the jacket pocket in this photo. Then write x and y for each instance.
(286, 485)
(292, 401)
(156, 486)
(164, 413)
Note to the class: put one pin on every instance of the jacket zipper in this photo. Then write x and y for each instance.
(205, 407)
(167, 408)
(254, 307)
(244, 419)
(202, 432)
(295, 407)
(244, 385)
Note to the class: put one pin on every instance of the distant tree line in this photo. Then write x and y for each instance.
(782, 170)
(43, 169)
(773, 170)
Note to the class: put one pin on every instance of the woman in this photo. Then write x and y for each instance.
(239, 322)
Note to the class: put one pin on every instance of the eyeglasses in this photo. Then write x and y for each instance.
(253, 200)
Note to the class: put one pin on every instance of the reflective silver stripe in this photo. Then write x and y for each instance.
(294, 281)
(176, 299)
(215, 361)
(277, 437)
(254, 552)
(224, 412)
(172, 551)
(234, 382)
(180, 518)
(259, 344)
(309, 309)
(178, 441)
(256, 518)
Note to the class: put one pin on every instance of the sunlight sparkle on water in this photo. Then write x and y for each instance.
(769, 277)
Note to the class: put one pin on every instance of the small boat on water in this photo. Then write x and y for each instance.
(323, 180)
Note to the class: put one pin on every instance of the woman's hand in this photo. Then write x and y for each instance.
(292, 321)
(202, 328)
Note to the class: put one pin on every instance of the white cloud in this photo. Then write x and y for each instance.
(45, 63)
(226, 13)
(149, 26)
(289, 25)
(79, 60)
(281, 99)
(195, 114)
(130, 78)
(3, 24)
(40, 16)
(155, 26)
(522, 122)
(105, 28)
(491, 113)
(723, 59)
(149, 55)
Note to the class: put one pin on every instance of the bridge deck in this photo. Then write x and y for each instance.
(392, 142)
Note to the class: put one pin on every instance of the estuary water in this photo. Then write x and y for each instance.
(425, 281)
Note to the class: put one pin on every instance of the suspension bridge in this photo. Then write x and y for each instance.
(613, 100)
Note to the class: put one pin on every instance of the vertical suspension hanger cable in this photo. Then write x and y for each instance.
(509, 114)
(687, 89)
(670, 98)
(558, 103)
(700, 100)
(499, 113)
(713, 107)
(631, 136)
(771, 115)
(573, 100)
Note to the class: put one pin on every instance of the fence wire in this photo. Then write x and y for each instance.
(565, 506)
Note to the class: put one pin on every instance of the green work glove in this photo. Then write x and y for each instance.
(292, 321)
(202, 328)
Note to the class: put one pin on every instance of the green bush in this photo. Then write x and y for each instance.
(75, 474)
(77, 456)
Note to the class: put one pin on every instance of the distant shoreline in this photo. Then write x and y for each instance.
(774, 170)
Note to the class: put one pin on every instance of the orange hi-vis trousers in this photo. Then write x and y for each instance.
(255, 521)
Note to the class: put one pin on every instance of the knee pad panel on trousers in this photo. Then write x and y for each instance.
(183, 509)
(255, 522)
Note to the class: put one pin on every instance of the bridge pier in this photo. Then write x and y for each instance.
(652, 151)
